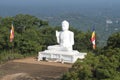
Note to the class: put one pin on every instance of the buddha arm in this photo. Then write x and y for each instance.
(57, 35)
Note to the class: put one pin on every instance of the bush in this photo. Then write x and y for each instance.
(7, 55)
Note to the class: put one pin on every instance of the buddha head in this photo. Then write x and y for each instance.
(65, 25)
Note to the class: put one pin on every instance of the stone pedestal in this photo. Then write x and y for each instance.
(61, 56)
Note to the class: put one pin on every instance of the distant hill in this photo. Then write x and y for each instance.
(85, 23)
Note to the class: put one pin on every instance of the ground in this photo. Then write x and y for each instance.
(31, 69)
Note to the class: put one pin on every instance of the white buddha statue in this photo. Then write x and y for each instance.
(65, 39)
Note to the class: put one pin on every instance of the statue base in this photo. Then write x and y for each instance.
(61, 56)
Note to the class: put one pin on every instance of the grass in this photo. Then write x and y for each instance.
(7, 55)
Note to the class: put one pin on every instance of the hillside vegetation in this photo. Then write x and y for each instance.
(102, 64)
(33, 35)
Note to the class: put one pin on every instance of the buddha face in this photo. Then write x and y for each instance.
(65, 25)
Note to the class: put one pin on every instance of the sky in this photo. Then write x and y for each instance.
(56, 6)
(60, 2)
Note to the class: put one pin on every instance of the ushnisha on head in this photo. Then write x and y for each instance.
(65, 25)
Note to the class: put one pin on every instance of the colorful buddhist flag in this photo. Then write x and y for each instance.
(93, 39)
(11, 33)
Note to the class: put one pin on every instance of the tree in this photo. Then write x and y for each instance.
(114, 40)
(82, 41)
(27, 33)
(105, 66)
(23, 22)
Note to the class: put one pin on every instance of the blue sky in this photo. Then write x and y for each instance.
(45, 6)
(97, 2)
(61, 3)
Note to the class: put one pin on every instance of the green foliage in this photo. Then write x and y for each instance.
(23, 22)
(33, 35)
(8, 55)
(48, 34)
(28, 36)
(105, 65)
(82, 41)
(114, 41)
(6, 22)
(29, 42)
(84, 69)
